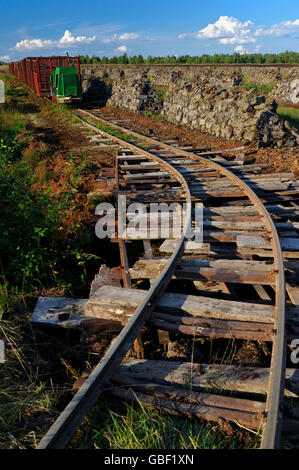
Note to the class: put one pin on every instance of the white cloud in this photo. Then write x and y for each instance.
(68, 39)
(128, 36)
(4, 57)
(241, 50)
(34, 44)
(111, 39)
(121, 37)
(230, 30)
(122, 48)
(237, 40)
(286, 28)
(227, 29)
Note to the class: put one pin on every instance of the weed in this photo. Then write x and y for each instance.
(11, 123)
(111, 131)
(260, 88)
(147, 428)
(152, 115)
(289, 114)
(161, 92)
(27, 397)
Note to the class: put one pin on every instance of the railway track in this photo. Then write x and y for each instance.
(248, 240)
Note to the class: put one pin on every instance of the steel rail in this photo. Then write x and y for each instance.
(272, 428)
(64, 427)
(62, 430)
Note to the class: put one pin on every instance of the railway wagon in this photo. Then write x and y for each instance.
(56, 78)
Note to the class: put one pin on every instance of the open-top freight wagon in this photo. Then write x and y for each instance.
(56, 78)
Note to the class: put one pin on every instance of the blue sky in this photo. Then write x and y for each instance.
(155, 27)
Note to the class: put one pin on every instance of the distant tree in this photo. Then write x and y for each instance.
(287, 57)
(123, 59)
(140, 60)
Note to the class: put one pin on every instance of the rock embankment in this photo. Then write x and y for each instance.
(211, 99)
(135, 95)
(228, 112)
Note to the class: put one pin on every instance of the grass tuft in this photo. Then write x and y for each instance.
(138, 427)
(289, 114)
(260, 88)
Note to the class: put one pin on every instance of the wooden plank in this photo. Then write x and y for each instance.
(293, 292)
(235, 271)
(156, 174)
(160, 231)
(212, 328)
(261, 292)
(59, 312)
(132, 157)
(287, 244)
(147, 248)
(188, 396)
(146, 166)
(211, 332)
(118, 303)
(203, 376)
(202, 411)
(199, 185)
(266, 253)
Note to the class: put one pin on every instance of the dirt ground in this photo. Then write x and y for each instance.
(65, 157)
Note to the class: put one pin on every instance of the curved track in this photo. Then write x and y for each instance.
(171, 170)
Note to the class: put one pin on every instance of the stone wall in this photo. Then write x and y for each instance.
(135, 95)
(280, 77)
(210, 99)
(228, 112)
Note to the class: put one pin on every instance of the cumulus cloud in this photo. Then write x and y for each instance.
(34, 44)
(227, 30)
(4, 57)
(122, 48)
(285, 28)
(230, 30)
(121, 37)
(241, 50)
(237, 40)
(225, 27)
(68, 39)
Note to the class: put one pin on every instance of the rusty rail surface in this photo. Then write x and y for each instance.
(62, 430)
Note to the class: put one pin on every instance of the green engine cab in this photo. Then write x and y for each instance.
(65, 85)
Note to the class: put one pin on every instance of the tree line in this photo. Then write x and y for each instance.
(286, 57)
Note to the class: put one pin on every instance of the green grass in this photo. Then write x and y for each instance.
(138, 427)
(152, 115)
(34, 251)
(11, 123)
(111, 131)
(289, 114)
(59, 111)
(161, 92)
(260, 88)
(24, 398)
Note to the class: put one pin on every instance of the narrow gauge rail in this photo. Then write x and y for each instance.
(188, 175)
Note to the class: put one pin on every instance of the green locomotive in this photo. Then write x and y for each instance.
(65, 85)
